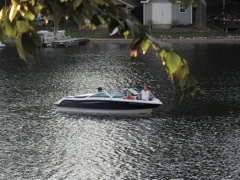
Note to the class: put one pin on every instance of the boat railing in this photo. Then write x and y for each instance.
(108, 94)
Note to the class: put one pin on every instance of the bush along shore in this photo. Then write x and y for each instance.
(188, 34)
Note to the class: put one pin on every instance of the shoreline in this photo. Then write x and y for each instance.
(231, 40)
(197, 40)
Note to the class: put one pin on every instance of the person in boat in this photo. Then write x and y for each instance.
(146, 94)
(129, 96)
(119, 89)
(100, 89)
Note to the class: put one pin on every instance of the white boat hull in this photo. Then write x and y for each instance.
(101, 111)
(2, 45)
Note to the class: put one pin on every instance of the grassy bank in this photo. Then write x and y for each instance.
(186, 32)
(191, 32)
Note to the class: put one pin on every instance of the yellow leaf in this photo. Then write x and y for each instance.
(13, 12)
(29, 15)
(18, 7)
(93, 27)
(126, 33)
(101, 19)
(163, 55)
(134, 53)
(173, 61)
(145, 45)
(1, 14)
(181, 74)
(26, 8)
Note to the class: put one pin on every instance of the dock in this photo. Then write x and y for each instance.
(227, 24)
(58, 39)
(68, 42)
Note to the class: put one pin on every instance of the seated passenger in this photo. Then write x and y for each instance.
(100, 89)
(146, 94)
(129, 96)
(119, 89)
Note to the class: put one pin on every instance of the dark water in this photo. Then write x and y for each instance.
(198, 139)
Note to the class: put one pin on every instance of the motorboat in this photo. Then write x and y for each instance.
(107, 102)
(2, 45)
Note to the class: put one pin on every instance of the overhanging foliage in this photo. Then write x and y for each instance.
(16, 20)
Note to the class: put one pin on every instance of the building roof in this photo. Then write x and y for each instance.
(130, 3)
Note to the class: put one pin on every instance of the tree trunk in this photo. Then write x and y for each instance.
(201, 15)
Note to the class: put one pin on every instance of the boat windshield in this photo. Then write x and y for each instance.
(100, 94)
(115, 94)
(133, 91)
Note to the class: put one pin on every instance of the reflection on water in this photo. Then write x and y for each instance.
(196, 139)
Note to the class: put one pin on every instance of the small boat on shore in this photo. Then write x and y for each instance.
(2, 45)
(106, 102)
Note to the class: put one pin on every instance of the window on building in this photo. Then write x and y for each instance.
(181, 9)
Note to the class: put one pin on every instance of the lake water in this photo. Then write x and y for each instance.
(197, 139)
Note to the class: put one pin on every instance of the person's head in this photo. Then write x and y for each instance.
(145, 87)
(119, 88)
(99, 89)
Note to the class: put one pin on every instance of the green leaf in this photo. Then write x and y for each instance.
(32, 2)
(191, 87)
(185, 74)
(10, 28)
(29, 15)
(100, 1)
(36, 39)
(3, 13)
(173, 1)
(133, 28)
(32, 26)
(2, 34)
(191, 82)
(163, 54)
(28, 44)
(194, 3)
(76, 3)
(89, 8)
(58, 11)
(22, 26)
(173, 62)
(126, 34)
(186, 3)
(160, 44)
(56, 18)
(95, 22)
(136, 43)
(180, 76)
(78, 18)
(145, 45)
(19, 45)
(101, 19)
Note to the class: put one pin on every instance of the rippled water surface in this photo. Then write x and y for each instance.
(199, 138)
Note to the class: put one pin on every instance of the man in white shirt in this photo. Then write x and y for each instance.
(146, 94)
